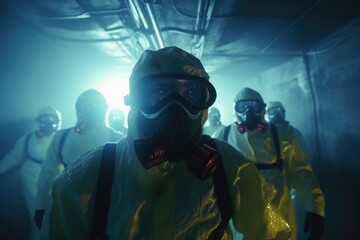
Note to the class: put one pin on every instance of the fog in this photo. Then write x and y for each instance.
(319, 89)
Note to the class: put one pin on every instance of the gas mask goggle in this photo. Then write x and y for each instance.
(89, 115)
(116, 121)
(170, 119)
(276, 115)
(214, 118)
(249, 113)
(48, 124)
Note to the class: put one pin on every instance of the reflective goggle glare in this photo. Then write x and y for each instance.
(157, 91)
(275, 110)
(47, 119)
(242, 105)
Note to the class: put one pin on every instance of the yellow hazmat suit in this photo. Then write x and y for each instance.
(166, 201)
(297, 173)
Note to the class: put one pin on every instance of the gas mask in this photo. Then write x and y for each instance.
(116, 125)
(249, 115)
(48, 124)
(116, 120)
(214, 117)
(202, 159)
(170, 117)
(90, 111)
(276, 115)
(88, 120)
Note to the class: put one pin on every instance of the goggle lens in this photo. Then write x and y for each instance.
(242, 105)
(275, 111)
(48, 119)
(192, 91)
(154, 92)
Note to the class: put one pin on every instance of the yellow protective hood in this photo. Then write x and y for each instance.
(169, 60)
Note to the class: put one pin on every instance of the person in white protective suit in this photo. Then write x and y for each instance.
(280, 156)
(29, 153)
(116, 120)
(214, 121)
(164, 180)
(89, 132)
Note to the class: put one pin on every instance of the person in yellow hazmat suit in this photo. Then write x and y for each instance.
(29, 153)
(214, 121)
(276, 113)
(280, 156)
(89, 132)
(165, 180)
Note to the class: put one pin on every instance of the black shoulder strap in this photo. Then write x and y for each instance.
(103, 192)
(277, 146)
(61, 144)
(279, 162)
(226, 133)
(221, 193)
(26, 146)
(104, 184)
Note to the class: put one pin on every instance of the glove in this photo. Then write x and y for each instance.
(314, 223)
(39, 215)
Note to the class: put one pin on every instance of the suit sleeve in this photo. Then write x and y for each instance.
(15, 157)
(70, 209)
(253, 216)
(301, 176)
(50, 170)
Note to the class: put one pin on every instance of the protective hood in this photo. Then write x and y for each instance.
(49, 120)
(248, 94)
(275, 113)
(214, 116)
(91, 107)
(48, 110)
(116, 119)
(273, 104)
(166, 61)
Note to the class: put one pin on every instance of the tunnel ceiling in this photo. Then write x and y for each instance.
(233, 36)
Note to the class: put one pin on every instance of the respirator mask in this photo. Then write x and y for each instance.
(214, 117)
(116, 121)
(249, 114)
(89, 115)
(48, 124)
(276, 115)
(170, 119)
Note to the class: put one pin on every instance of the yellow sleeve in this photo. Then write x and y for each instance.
(301, 176)
(253, 215)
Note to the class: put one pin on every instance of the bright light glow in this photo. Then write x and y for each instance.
(114, 88)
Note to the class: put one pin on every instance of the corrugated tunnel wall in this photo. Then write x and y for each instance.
(321, 93)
